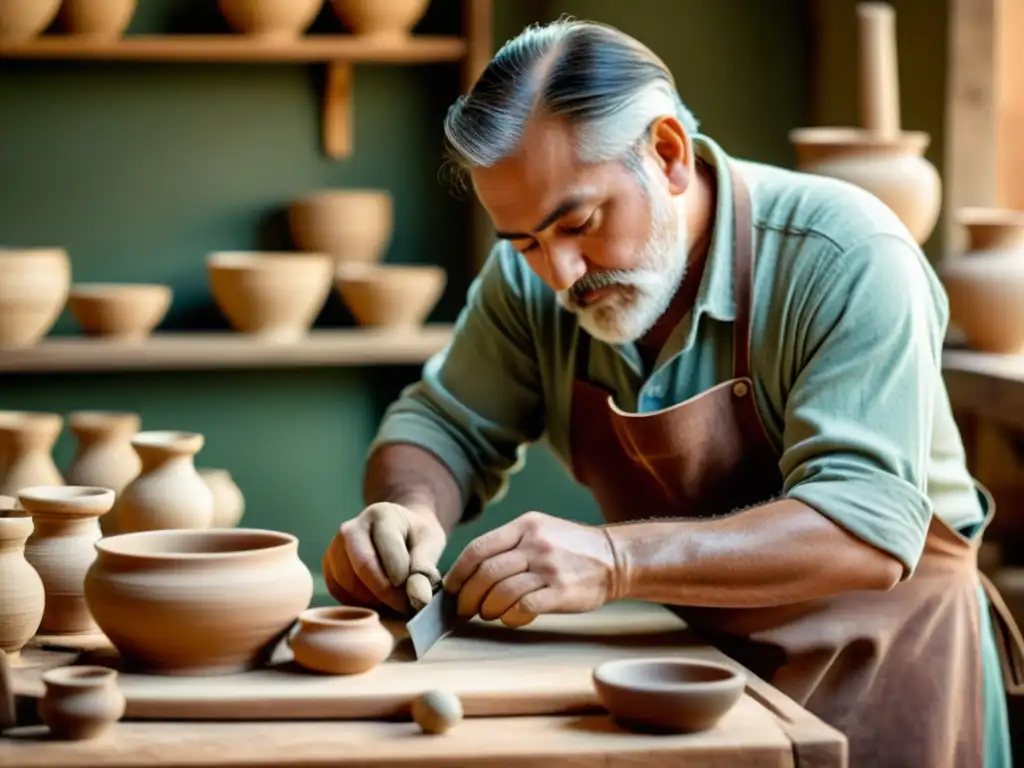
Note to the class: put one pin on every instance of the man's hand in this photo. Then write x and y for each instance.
(386, 556)
(533, 565)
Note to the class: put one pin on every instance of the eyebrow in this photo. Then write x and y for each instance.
(567, 205)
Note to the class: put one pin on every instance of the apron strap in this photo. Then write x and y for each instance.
(742, 274)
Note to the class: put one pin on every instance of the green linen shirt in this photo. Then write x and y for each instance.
(848, 321)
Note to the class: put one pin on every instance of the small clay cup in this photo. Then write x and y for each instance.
(343, 640)
(667, 695)
(81, 702)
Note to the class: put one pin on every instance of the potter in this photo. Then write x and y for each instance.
(741, 363)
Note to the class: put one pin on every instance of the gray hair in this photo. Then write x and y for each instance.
(608, 86)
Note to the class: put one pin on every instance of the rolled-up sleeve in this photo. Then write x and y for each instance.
(479, 401)
(858, 419)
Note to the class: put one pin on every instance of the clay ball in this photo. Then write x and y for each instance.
(437, 711)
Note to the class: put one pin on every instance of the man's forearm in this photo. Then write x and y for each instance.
(406, 474)
(777, 553)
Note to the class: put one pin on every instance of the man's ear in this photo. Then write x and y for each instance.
(672, 149)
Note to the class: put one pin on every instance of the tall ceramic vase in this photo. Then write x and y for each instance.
(104, 456)
(61, 549)
(21, 589)
(26, 446)
(985, 284)
(169, 492)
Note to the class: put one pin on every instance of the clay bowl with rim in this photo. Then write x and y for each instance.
(21, 20)
(197, 601)
(353, 225)
(667, 695)
(275, 296)
(341, 640)
(119, 311)
(34, 284)
(395, 18)
(390, 295)
(97, 19)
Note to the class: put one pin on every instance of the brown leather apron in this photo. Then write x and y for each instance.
(898, 671)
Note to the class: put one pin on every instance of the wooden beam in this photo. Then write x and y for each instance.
(337, 115)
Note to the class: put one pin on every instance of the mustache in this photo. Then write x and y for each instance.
(592, 282)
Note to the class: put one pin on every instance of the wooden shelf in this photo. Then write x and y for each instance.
(228, 350)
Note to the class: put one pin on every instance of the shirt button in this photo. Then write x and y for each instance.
(739, 389)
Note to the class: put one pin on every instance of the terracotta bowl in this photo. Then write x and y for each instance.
(22, 20)
(119, 312)
(270, 19)
(97, 19)
(274, 295)
(393, 295)
(667, 695)
(34, 285)
(394, 18)
(353, 225)
(341, 640)
(197, 602)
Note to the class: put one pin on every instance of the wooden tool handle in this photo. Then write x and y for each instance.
(879, 75)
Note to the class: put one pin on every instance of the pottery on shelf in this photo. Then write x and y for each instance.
(270, 19)
(99, 19)
(21, 20)
(274, 296)
(391, 19)
(80, 702)
(879, 156)
(197, 602)
(228, 501)
(104, 456)
(985, 284)
(21, 589)
(34, 283)
(61, 549)
(341, 640)
(26, 450)
(352, 225)
(168, 492)
(391, 295)
(119, 311)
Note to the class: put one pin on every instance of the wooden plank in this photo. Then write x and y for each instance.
(238, 48)
(212, 351)
(986, 385)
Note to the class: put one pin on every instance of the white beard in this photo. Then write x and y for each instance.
(641, 295)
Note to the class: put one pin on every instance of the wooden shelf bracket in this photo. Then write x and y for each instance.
(337, 112)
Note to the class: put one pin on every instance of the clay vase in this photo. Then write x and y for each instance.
(61, 549)
(21, 20)
(985, 284)
(270, 20)
(99, 19)
(104, 456)
(228, 501)
(210, 602)
(354, 226)
(390, 295)
(21, 589)
(80, 702)
(26, 442)
(341, 640)
(393, 19)
(168, 492)
(34, 285)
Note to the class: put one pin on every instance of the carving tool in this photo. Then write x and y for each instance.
(433, 622)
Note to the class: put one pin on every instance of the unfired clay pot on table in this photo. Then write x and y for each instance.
(21, 20)
(276, 297)
(80, 702)
(104, 455)
(197, 602)
(34, 284)
(341, 640)
(98, 19)
(270, 20)
(352, 225)
(391, 19)
(168, 492)
(878, 156)
(228, 501)
(985, 285)
(391, 295)
(61, 549)
(119, 311)
(21, 589)
(26, 450)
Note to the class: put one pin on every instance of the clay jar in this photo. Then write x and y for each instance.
(61, 549)
(197, 602)
(99, 19)
(228, 502)
(168, 493)
(985, 284)
(21, 589)
(104, 456)
(81, 702)
(26, 450)
(341, 640)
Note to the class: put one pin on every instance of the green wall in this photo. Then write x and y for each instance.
(140, 170)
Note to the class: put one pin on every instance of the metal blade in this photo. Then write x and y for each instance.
(434, 622)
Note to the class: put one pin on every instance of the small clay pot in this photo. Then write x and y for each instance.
(119, 312)
(270, 19)
(667, 695)
(343, 640)
(228, 501)
(21, 20)
(81, 702)
(21, 590)
(34, 282)
(390, 295)
(352, 225)
(394, 18)
(98, 19)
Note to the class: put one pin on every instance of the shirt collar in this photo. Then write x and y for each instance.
(715, 295)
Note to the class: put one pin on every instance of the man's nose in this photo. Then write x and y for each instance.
(566, 265)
